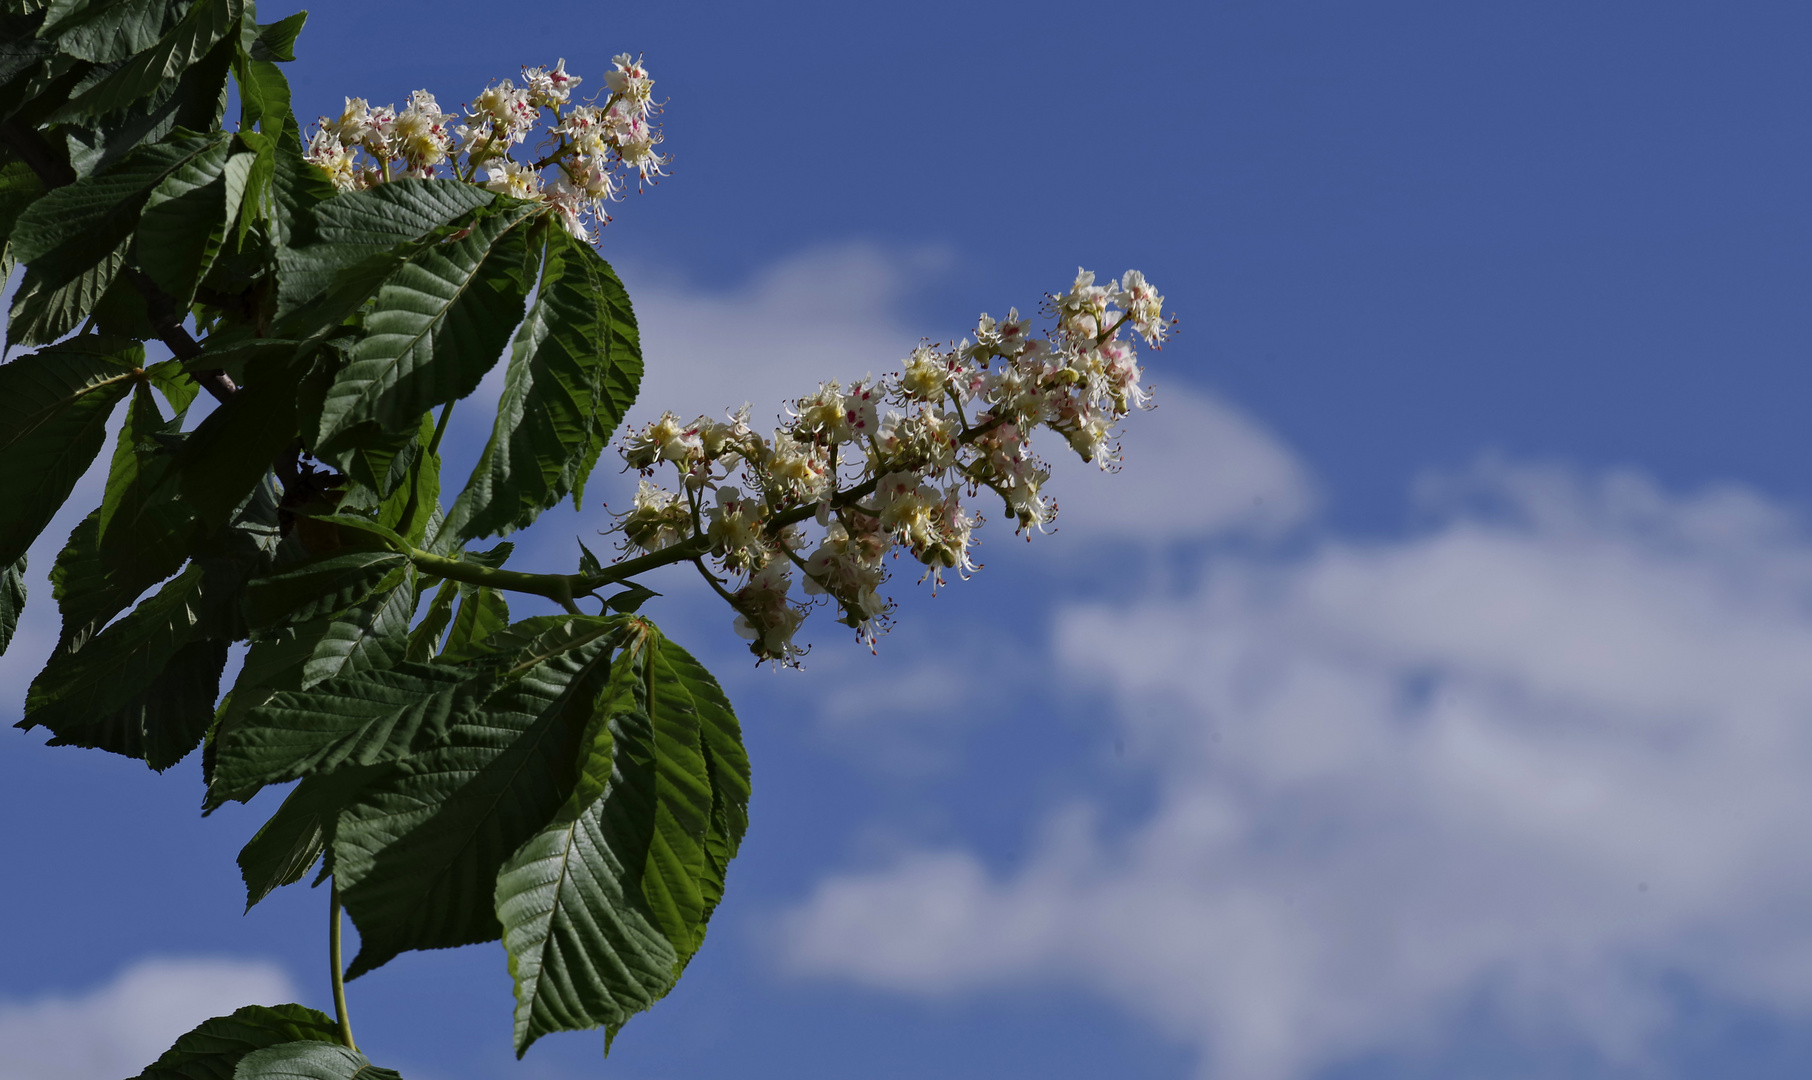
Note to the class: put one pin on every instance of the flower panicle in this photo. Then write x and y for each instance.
(587, 151)
(880, 468)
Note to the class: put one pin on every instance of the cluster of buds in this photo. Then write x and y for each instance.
(882, 466)
(585, 151)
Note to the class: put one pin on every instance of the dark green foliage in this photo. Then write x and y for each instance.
(214, 1049)
(573, 785)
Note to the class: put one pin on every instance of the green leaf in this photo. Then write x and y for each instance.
(12, 600)
(373, 718)
(300, 831)
(438, 323)
(81, 222)
(321, 586)
(19, 188)
(185, 45)
(417, 854)
(482, 612)
(105, 33)
(574, 370)
(354, 235)
(182, 222)
(141, 521)
(627, 601)
(54, 406)
(371, 635)
(174, 383)
(52, 301)
(90, 590)
(309, 1061)
(603, 908)
(424, 640)
(212, 1050)
(232, 450)
(277, 41)
(413, 498)
(142, 687)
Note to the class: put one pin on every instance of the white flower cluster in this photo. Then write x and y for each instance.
(588, 147)
(956, 420)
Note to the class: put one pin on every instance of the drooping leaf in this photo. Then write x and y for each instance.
(212, 1050)
(583, 948)
(300, 832)
(12, 600)
(417, 855)
(438, 323)
(413, 499)
(90, 590)
(373, 718)
(604, 907)
(309, 1061)
(141, 521)
(575, 367)
(54, 406)
(142, 687)
(232, 450)
(53, 300)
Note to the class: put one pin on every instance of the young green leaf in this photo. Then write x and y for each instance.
(54, 406)
(212, 1050)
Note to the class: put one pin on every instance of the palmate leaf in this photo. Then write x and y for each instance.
(575, 367)
(12, 600)
(54, 406)
(144, 529)
(309, 1061)
(51, 302)
(603, 907)
(417, 854)
(214, 1049)
(438, 323)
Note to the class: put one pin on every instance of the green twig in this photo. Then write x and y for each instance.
(339, 971)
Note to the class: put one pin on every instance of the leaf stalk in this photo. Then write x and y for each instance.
(339, 969)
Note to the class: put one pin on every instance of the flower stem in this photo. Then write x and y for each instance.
(339, 971)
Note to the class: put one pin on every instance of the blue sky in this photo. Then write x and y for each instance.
(1428, 696)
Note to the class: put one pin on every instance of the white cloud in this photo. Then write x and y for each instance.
(1537, 756)
(117, 1029)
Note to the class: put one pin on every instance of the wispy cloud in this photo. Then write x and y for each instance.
(1549, 748)
(117, 1029)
